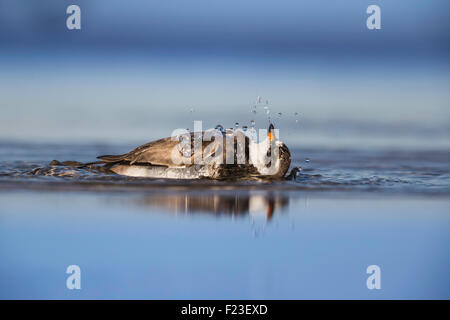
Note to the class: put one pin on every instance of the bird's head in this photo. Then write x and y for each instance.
(277, 157)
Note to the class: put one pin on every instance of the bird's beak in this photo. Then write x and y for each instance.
(270, 134)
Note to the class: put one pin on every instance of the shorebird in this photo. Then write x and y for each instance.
(269, 158)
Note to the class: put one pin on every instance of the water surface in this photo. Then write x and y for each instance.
(24, 165)
(137, 238)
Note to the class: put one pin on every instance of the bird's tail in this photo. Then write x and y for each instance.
(111, 158)
(94, 162)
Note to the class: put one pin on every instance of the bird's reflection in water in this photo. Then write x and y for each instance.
(255, 204)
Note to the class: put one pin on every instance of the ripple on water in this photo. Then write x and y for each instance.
(332, 170)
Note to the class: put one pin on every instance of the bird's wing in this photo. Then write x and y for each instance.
(163, 152)
(166, 151)
(155, 153)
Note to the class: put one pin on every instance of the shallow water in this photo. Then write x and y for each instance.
(391, 171)
(156, 239)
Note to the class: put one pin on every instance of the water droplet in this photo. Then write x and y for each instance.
(280, 114)
(244, 128)
(267, 111)
(219, 127)
(296, 114)
(258, 99)
(236, 125)
(252, 122)
(296, 120)
(307, 160)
